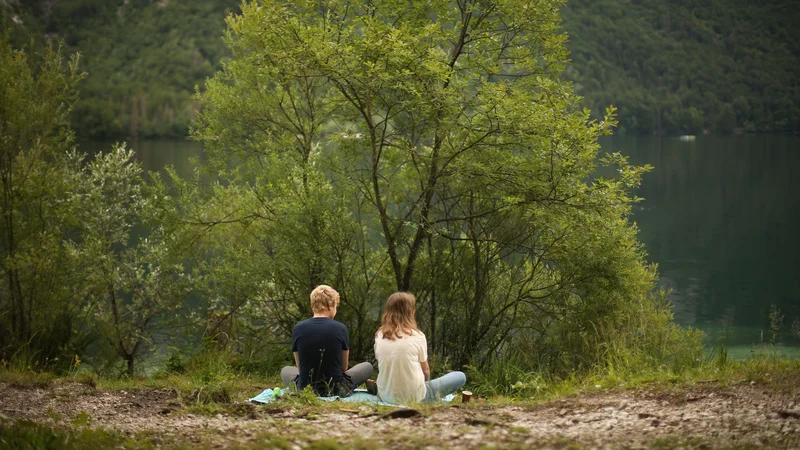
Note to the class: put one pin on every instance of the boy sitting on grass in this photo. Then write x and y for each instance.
(321, 348)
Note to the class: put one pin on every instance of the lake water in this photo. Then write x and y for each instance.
(721, 218)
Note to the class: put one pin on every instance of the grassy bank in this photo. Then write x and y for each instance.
(212, 380)
(215, 391)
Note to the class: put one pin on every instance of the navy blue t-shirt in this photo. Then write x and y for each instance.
(319, 341)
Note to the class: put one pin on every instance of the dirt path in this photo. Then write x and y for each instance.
(743, 415)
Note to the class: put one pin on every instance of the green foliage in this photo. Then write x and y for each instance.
(90, 253)
(133, 276)
(24, 377)
(82, 419)
(143, 58)
(677, 67)
(509, 380)
(325, 444)
(175, 364)
(683, 67)
(36, 93)
(507, 376)
(775, 323)
(435, 149)
(25, 435)
(719, 354)
(207, 378)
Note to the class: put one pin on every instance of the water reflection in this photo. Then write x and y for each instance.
(721, 218)
(155, 154)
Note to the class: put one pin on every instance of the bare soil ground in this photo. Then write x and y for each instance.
(742, 415)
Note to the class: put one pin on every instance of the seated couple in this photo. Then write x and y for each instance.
(321, 348)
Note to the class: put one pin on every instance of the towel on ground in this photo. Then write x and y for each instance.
(358, 396)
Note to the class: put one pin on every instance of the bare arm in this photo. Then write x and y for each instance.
(426, 370)
(297, 360)
(345, 359)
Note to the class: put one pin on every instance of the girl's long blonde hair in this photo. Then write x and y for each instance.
(398, 316)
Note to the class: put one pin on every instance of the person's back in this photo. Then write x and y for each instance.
(321, 348)
(400, 376)
(402, 353)
(319, 342)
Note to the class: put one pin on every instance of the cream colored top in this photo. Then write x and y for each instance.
(400, 377)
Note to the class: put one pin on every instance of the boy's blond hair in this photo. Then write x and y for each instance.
(323, 298)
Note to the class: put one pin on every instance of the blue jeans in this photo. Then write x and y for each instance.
(440, 387)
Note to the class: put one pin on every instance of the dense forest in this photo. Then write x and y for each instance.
(143, 58)
(437, 150)
(687, 66)
(669, 66)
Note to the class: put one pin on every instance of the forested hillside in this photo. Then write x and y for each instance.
(143, 58)
(670, 66)
(685, 66)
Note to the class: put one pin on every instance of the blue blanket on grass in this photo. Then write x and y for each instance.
(358, 396)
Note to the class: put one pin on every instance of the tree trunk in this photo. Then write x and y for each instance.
(433, 297)
(130, 360)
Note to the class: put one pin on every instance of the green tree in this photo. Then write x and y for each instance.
(133, 277)
(36, 96)
(429, 146)
(726, 120)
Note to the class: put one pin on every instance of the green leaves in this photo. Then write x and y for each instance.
(429, 146)
(133, 276)
(36, 94)
(677, 68)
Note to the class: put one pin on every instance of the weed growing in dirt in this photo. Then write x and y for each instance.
(325, 444)
(775, 323)
(207, 382)
(24, 435)
(268, 440)
(24, 378)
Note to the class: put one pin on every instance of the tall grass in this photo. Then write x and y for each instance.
(507, 379)
(211, 376)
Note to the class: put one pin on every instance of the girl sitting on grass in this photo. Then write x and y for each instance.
(402, 353)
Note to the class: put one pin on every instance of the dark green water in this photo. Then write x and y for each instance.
(721, 218)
